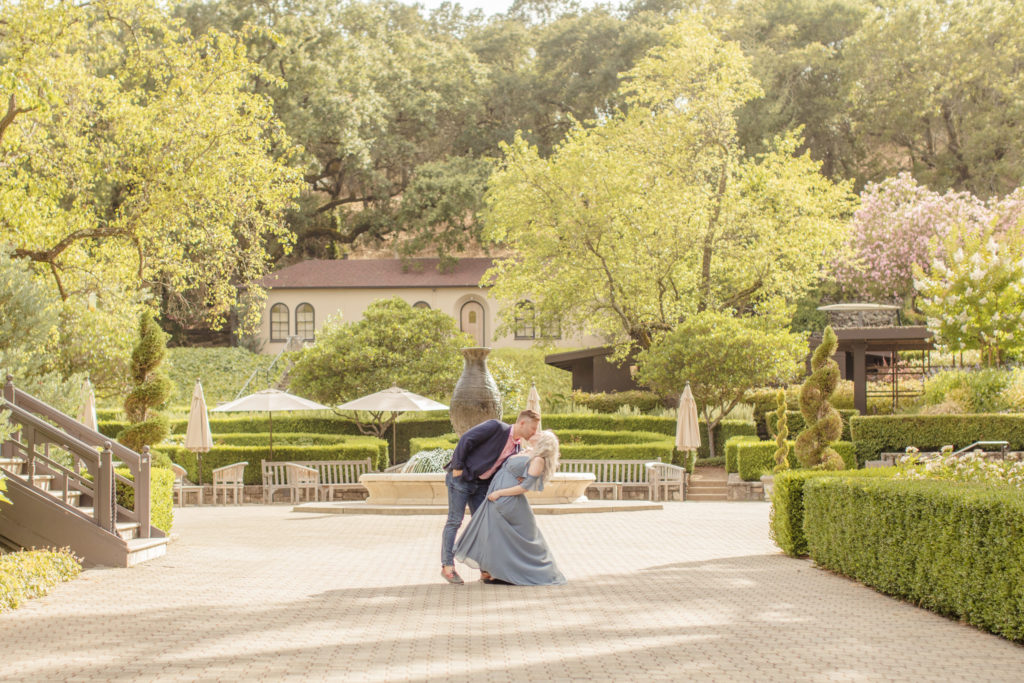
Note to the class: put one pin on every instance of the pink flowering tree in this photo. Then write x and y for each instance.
(895, 227)
(973, 293)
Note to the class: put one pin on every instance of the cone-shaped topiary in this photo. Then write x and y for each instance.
(823, 424)
(151, 387)
(781, 432)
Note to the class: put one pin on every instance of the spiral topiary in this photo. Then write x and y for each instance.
(823, 424)
(151, 388)
(781, 432)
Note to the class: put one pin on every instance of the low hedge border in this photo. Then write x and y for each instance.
(226, 455)
(161, 496)
(875, 434)
(731, 446)
(30, 574)
(754, 458)
(786, 525)
(952, 548)
(287, 439)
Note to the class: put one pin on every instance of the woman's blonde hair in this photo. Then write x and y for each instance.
(546, 446)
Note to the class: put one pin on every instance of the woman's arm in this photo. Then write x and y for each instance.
(535, 469)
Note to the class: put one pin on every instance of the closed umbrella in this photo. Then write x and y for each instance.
(87, 410)
(533, 402)
(198, 438)
(269, 401)
(687, 429)
(394, 400)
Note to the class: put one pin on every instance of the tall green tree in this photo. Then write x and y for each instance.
(655, 215)
(722, 357)
(393, 344)
(135, 163)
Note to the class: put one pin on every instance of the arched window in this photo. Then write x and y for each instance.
(471, 321)
(421, 304)
(524, 322)
(305, 322)
(278, 323)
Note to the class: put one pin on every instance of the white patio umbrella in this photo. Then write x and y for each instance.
(87, 410)
(687, 428)
(394, 400)
(198, 438)
(269, 401)
(533, 402)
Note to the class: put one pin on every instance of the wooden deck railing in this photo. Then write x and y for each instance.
(42, 427)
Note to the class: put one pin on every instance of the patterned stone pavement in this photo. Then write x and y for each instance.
(692, 592)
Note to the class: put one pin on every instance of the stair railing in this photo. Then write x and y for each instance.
(96, 451)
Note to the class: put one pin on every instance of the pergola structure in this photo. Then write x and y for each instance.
(857, 344)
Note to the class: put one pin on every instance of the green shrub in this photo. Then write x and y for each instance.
(161, 495)
(717, 461)
(610, 402)
(754, 458)
(223, 372)
(32, 573)
(787, 515)
(590, 437)
(731, 446)
(974, 391)
(290, 439)
(431, 443)
(663, 452)
(954, 548)
(893, 433)
(227, 455)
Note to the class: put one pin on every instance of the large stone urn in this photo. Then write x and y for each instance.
(476, 397)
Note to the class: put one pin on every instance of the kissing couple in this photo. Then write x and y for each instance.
(491, 470)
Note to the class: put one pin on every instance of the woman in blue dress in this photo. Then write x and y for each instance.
(502, 538)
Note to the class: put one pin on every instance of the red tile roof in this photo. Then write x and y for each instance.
(352, 273)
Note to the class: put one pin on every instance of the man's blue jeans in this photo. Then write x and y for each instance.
(460, 494)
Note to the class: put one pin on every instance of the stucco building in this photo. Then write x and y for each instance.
(302, 296)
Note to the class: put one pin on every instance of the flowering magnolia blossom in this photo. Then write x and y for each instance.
(898, 225)
(975, 302)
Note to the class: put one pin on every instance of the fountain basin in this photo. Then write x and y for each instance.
(388, 488)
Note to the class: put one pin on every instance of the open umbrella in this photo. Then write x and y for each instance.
(269, 401)
(394, 400)
(533, 402)
(87, 410)
(197, 437)
(687, 429)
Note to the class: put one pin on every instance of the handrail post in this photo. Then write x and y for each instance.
(142, 493)
(7, 449)
(104, 501)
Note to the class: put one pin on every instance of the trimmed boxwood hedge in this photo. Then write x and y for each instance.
(954, 548)
(161, 495)
(420, 427)
(754, 458)
(876, 434)
(731, 446)
(226, 455)
(287, 439)
(661, 449)
(787, 515)
(795, 423)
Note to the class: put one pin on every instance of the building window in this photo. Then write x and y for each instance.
(524, 322)
(471, 321)
(421, 304)
(305, 322)
(278, 323)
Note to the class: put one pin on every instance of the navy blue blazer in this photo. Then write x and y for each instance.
(479, 448)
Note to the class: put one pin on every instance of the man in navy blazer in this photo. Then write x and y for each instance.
(478, 455)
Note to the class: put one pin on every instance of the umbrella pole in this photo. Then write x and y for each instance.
(394, 440)
(270, 415)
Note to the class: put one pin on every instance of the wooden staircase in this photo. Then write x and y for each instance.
(60, 480)
(707, 484)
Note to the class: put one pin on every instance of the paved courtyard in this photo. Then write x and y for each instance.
(694, 591)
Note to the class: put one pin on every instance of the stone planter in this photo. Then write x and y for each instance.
(429, 489)
(476, 397)
(768, 482)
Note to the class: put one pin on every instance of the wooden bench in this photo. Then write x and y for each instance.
(321, 478)
(663, 477)
(611, 475)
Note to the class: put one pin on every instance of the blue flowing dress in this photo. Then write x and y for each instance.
(502, 538)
